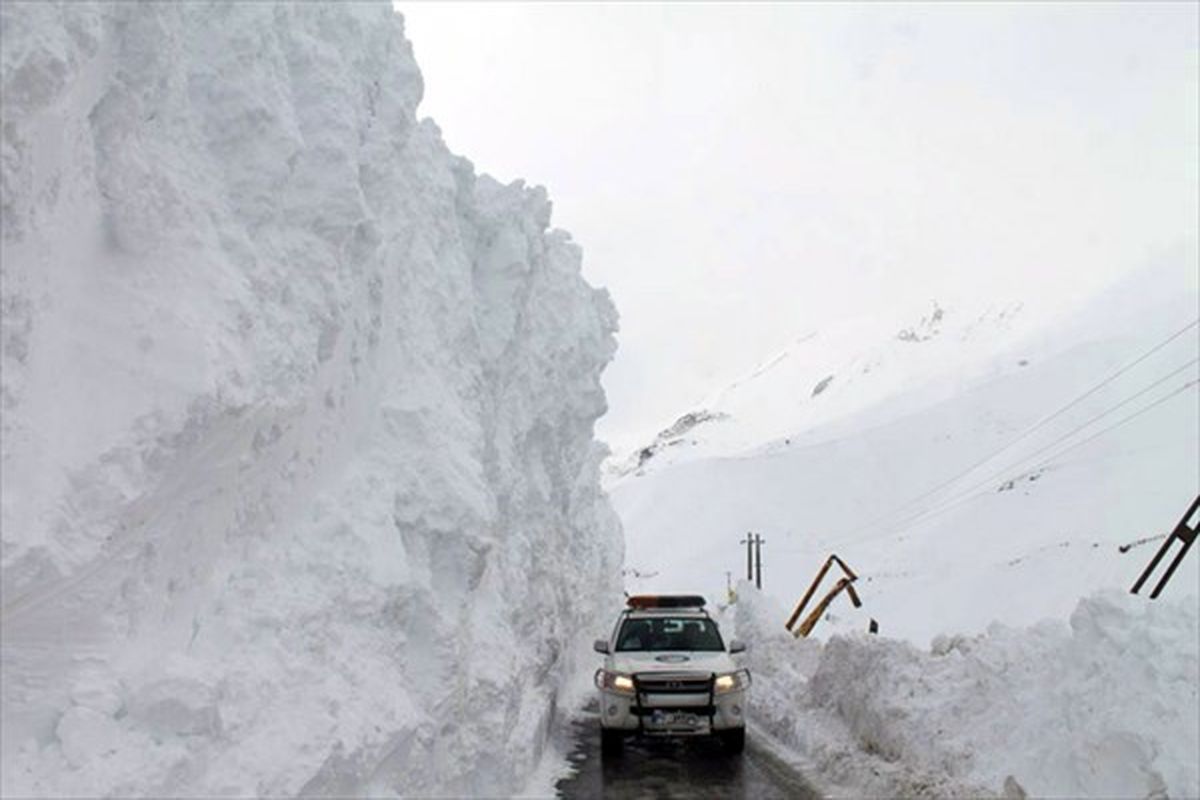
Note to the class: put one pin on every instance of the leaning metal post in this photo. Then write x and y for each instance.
(1184, 533)
(846, 583)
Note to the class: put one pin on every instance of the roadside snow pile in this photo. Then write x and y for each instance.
(1106, 706)
(300, 493)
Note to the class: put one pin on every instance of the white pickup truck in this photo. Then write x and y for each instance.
(667, 672)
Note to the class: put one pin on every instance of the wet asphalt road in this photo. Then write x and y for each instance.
(682, 768)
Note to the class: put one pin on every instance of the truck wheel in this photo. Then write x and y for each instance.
(612, 741)
(734, 740)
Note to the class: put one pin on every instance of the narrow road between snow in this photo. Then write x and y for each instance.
(677, 769)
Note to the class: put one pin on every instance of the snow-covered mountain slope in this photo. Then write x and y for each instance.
(917, 356)
(943, 485)
(300, 493)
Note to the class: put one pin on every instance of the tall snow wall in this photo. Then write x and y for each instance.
(300, 492)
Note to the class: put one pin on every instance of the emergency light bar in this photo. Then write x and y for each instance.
(665, 601)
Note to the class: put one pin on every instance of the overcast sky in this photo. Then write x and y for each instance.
(737, 174)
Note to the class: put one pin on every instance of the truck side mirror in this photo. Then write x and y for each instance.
(600, 646)
(736, 647)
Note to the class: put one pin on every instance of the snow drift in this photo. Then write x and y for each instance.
(1103, 706)
(300, 494)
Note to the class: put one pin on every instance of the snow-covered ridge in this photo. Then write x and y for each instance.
(673, 435)
(903, 363)
(299, 486)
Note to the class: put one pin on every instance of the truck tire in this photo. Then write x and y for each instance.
(734, 740)
(612, 741)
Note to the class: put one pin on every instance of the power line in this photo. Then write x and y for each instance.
(971, 493)
(1029, 430)
(1096, 418)
(957, 499)
(1120, 422)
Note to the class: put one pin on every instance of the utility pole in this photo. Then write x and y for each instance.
(749, 542)
(728, 586)
(758, 543)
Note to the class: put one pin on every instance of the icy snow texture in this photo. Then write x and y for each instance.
(300, 493)
(1106, 706)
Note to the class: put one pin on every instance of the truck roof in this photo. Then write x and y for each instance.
(698, 613)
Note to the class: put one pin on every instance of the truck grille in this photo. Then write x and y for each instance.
(661, 683)
(662, 692)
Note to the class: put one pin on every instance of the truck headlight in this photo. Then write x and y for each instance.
(614, 682)
(732, 681)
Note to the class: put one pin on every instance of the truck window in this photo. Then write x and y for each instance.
(656, 634)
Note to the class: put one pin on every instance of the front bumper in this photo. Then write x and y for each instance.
(672, 713)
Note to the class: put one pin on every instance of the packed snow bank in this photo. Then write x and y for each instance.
(300, 493)
(1105, 706)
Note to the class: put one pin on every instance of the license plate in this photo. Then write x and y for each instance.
(675, 719)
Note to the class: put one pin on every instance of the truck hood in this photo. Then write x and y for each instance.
(672, 661)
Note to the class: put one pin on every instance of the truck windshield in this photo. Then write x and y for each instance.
(669, 633)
